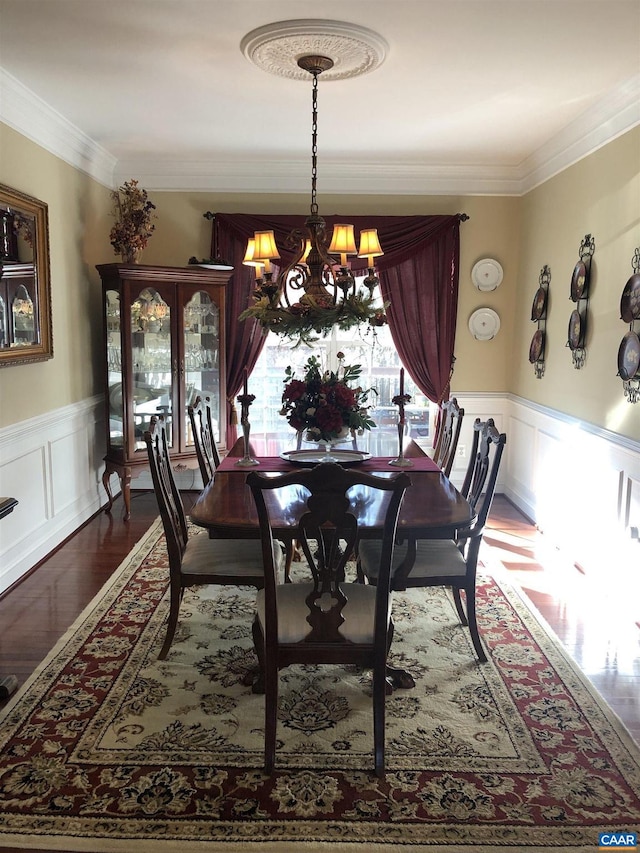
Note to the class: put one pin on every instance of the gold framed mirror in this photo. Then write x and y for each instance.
(25, 287)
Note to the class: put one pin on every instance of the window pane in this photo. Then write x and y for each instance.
(381, 371)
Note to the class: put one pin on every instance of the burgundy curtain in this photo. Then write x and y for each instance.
(422, 292)
(418, 276)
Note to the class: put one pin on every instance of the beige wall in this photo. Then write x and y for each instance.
(600, 196)
(78, 232)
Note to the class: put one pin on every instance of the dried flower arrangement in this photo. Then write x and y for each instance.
(134, 221)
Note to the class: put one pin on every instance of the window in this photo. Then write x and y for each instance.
(381, 368)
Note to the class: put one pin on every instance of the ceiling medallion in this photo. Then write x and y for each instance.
(277, 47)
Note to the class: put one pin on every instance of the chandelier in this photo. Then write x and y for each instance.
(316, 290)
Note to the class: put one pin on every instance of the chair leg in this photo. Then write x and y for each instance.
(289, 554)
(258, 680)
(459, 606)
(270, 718)
(379, 691)
(473, 625)
(172, 622)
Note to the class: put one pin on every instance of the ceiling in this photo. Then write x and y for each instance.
(473, 96)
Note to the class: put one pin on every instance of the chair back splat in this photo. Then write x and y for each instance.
(451, 416)
(204, 437)
(327, 619)
(168, 495)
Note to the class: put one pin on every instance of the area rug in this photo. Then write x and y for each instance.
(109, 749)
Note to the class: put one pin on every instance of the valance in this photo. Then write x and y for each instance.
(401, 237)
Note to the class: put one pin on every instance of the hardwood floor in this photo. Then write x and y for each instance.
(578, 608)
(39, 610)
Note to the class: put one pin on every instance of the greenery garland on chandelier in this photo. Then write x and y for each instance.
(308, 317)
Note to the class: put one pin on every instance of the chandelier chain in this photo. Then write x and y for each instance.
(314, 143)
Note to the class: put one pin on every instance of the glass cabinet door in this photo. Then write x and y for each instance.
(114, 369)
(201, 323)
(151, 359)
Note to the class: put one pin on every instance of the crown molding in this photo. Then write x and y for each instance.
(277, 177)
(25, 112)
(616, 114)
(28, 114)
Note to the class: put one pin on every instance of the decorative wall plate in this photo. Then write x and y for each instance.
(539, 304)
(536, 350)
(579, 281)
(630, 300)
(487, 274)
(629, 356)
(576, 331)
(484, 324)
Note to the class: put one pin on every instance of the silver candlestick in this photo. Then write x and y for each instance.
(400, 461)
(247, 460)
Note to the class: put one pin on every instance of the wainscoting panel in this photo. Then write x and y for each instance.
(46, 464)
(579, 484)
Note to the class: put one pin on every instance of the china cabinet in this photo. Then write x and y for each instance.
(164, 346)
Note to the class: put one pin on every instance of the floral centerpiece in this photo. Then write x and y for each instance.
(324, 404)
(134, 221)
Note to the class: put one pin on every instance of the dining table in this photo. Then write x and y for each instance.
(432, 507)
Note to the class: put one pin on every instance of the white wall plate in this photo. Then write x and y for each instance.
(484, 324)
(487, 274)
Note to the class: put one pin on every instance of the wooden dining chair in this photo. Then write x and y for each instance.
(326, 620)
(451, 416)
(204, 437)
(446, 562)
(196, 560)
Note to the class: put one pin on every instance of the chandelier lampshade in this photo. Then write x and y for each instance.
(265, 249)
(316, 290)
(343, 242)
(370, 248)
(369, 245)
(249, 258)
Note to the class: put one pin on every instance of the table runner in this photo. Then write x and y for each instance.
(376, 464)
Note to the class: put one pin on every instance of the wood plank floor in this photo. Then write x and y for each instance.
(39, 610)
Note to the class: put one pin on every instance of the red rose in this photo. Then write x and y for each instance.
(329, 419)
(344, 396)
(294, 390)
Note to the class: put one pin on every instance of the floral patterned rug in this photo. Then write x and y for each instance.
(107, 747)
